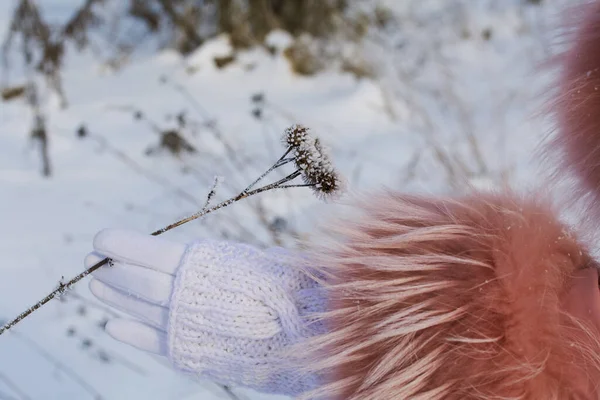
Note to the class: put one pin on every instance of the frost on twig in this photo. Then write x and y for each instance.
(303, 150)
(61, 287)
(213, 190)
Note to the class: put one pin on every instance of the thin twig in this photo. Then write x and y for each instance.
(142, 171)
(59, 364)
(63, 287)
(60, 290)
(225, 203)
(279, 163)
(296, 186)
(232, 154)
(230, 393)
(181, 22)
(151, 176)
(213, 191)
(15, 388)
(4, 396)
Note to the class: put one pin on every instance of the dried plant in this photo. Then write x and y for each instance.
(43, 44)
(304, 151)
(311, 158)
(39, 131)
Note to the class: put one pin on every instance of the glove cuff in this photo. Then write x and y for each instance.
(234, 312)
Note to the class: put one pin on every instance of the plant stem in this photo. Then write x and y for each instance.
(14, 387)
(63, 287)
(225, 203)
(211, 193)
(282, 161)
(296, 186)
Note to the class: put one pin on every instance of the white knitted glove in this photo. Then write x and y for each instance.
(220, 310)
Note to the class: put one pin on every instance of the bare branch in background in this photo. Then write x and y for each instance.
(39, 132)
(58, 364)
(150, 175)
(170, 187)
(14, 387)
(42, 44)
(183, 23)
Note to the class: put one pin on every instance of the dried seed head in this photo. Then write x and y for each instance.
(328, 183)
(317, 171)
(296, 135)
(303, 156)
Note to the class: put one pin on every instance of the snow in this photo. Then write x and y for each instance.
(434, 88)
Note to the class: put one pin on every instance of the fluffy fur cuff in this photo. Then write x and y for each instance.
(435, 298)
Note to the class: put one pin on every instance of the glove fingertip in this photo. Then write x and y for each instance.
(91, 259)
(110, 241)
(95, 288)
(103, 238)
(138, 335)
(113, 328)
(119, 330)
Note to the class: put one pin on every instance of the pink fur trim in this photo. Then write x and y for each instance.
(451, 299)
(577, 107)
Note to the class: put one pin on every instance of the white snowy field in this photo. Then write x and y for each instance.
(457, 95)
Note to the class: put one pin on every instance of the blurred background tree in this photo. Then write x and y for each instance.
(183, 25)
(115, 30)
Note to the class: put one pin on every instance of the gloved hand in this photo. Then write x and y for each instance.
(222, 310)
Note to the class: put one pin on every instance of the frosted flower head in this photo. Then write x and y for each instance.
(296, 135)
(328, 183)
(317, 171)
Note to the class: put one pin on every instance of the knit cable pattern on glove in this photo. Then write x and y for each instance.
(235, 309)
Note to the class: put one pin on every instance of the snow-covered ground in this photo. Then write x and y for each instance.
(458, 92)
